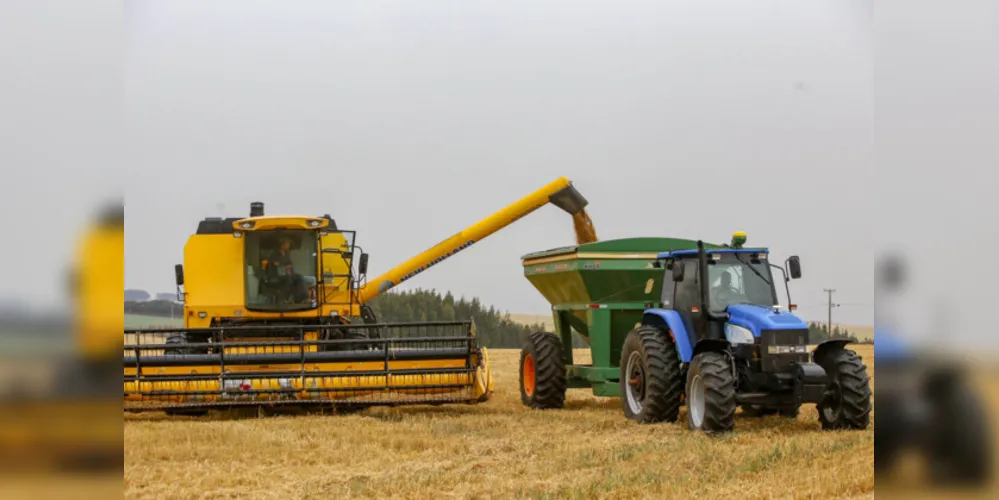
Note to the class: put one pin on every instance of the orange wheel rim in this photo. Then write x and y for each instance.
(528, 369)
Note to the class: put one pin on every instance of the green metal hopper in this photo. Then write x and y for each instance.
(600, 290)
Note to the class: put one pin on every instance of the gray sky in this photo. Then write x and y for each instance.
(409, 121)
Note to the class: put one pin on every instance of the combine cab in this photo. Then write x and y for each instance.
(276, 314)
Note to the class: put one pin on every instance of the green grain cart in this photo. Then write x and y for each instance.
(662, 336)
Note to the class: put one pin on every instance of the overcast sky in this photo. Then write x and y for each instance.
(409, 121)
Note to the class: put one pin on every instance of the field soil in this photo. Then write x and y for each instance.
(498, 449)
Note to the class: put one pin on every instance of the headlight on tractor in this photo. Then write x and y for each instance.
(738, 335)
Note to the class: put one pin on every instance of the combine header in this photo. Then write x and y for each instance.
(276, 313)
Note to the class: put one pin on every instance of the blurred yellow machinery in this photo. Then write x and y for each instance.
(276, 314)
(64, 410)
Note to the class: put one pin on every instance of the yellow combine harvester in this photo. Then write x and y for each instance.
(58, 407)
(275, 313)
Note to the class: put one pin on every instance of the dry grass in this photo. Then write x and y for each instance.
(499, 449)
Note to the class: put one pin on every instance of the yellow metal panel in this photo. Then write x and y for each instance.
(98, 291)
(214, 272)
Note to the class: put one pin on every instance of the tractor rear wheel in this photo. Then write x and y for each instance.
(651, 384)
(711, 400)
(958, 448)
(847, 400)
(542, 372)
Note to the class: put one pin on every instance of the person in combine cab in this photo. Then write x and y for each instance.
(280, 272)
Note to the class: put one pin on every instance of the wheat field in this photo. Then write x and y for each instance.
(498, 449)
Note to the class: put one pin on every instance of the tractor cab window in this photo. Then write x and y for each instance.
(736, 279)
(281, 270)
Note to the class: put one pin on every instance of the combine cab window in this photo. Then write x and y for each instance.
(281, 270)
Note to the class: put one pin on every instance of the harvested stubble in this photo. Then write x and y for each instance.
(494, 450)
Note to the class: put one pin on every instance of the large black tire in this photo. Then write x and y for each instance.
(959, 451)
(847, 402)
(651, 382)
(711, 402)
(542, 372)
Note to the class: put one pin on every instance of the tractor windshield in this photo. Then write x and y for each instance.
(281, 270)
(736, 279)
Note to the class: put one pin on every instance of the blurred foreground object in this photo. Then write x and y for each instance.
(58, 375)
(926, 404)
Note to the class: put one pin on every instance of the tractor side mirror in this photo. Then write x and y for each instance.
(178, 272)
(794, 267)
(678, 271)
(362, 265)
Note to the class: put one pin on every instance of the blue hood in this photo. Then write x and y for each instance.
(758, 318)
(888, 346)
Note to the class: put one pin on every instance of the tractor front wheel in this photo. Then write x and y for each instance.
(847, 400)
(542, 372)
(711, 399)
(651, 384)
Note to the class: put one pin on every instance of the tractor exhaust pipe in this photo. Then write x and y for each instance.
(257, 209)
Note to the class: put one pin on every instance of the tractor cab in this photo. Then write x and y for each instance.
(737, 298)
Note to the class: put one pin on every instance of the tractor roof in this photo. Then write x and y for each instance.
(686, 253)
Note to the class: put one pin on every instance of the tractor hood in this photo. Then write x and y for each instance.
(759, 318)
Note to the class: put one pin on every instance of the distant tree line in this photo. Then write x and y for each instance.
(819, 332)
(157, 307)
(494, 329)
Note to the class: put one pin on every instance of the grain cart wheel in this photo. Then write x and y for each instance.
(711, 393)
(847, 400)
(542, 372)
(651, 384)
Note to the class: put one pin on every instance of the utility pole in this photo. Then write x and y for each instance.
(831, 306)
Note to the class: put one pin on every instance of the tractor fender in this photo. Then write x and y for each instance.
(711, 345)
(667, 319)
(828, 347)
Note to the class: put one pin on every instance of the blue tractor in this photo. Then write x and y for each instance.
(927, 406)
(720, 340)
